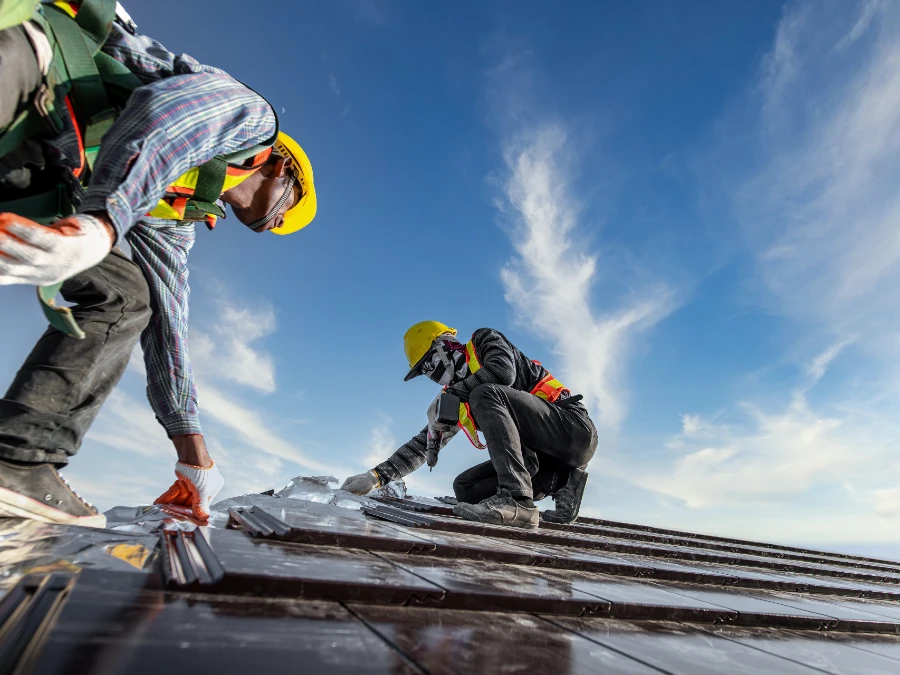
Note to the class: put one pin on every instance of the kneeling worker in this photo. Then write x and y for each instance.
(539, 437)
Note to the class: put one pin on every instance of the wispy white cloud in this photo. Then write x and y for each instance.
(551, 280)
(333, 84)
(226, 353)
(822, 212)
(814, 193)
(130, 425)
(782, 456)
(887, 502)
(254, 428)
(382, 444)
(820, 363)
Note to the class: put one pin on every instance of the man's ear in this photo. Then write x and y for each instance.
(282, 166)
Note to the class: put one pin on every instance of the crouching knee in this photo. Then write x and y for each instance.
(460, 486)
(484, 395)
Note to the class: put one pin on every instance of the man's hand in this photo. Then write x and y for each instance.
(194, 487)
(47, 254)
(362, 483)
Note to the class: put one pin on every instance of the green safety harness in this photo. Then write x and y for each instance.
(92, 80)
(97, 87)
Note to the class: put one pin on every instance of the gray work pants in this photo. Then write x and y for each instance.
(58, 391)
(520, 428)
(60, 388)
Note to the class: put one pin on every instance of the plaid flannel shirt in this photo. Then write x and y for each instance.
(184, 115)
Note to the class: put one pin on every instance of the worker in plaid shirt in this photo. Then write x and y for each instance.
(184, 115)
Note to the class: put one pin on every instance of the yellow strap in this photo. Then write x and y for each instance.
(554, 384)
(66, 7)
(472, 358)
(165, 210)
(467, 424)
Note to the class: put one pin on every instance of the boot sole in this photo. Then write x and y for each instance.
(582, 484)
(15, 505)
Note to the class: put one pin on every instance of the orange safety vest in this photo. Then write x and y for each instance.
(547, 388)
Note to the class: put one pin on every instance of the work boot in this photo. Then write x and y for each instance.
(568, 498)
(37, 491)
(501, 509)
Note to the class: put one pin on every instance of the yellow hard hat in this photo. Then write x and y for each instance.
(417, 343)
(300, 214)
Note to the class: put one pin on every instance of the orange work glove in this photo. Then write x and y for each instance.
(195, 487)
(42, 255)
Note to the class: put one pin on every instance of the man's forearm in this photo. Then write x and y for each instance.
(405, 460)
(162, 253)
(191, 449)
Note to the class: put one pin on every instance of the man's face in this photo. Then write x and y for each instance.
(271, 190)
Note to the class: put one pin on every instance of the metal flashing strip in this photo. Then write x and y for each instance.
(27, 614)
(187, 559)
(258, 523)
(413, 505)
(398, 516)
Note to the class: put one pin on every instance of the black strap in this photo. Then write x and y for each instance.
(210, 180)
(197, 210)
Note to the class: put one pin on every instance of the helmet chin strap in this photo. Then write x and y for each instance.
(275, 209)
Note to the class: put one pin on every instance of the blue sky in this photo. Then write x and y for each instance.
(687, 211)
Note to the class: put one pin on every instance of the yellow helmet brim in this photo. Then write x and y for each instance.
(417, 343)
(302, 213)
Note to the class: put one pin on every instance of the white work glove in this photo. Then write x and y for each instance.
(195, 487)
(362, 483)
(47, 254)
(437, 434)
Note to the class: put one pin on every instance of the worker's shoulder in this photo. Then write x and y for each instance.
(488, 335)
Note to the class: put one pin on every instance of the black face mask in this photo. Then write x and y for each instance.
(447, 364)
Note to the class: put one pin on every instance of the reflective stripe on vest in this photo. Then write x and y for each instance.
(178, 194)
(68, 7)
(467, 424)
(548, 388)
